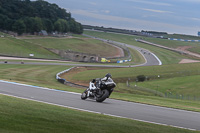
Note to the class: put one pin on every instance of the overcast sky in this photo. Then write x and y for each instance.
(172, 16)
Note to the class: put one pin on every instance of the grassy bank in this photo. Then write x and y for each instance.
(82, 45)
(16, 47)
(42, 118)
(37, 45)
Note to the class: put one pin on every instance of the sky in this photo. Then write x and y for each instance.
(172, 16)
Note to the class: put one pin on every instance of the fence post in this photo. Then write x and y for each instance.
(127, 83)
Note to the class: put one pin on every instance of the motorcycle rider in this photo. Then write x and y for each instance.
(92, 87)
(95, 85)
(107, 78)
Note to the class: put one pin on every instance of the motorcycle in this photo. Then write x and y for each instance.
(102, 90)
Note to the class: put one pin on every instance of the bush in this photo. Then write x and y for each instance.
(141, 78)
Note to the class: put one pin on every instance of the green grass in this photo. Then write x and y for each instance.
(195, 49)
(22, 116)
(187, 85)
(38, 46)
(17, 47)
(77, 44)
(39, 75)
(166, 56)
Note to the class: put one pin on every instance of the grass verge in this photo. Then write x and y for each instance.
(42, 118)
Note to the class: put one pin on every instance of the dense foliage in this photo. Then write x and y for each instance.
(25, 16)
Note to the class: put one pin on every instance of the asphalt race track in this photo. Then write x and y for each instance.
(141, 112)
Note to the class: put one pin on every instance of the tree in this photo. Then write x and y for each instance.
(64, 24)
(61, 25)
(36, 15)
(29, 22)
(2, 21)
(8, 24)
(19, 27)
(48, 25)
(78, 28)
(57, 26)
(38, 26)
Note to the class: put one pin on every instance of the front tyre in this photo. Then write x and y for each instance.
(84, 95)
(103, 96)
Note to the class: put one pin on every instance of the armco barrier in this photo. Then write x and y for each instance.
(59, 78)
(64, 81)
(122, 61)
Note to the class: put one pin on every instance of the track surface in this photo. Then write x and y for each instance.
(147, 113)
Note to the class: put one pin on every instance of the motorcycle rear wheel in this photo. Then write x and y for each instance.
(103, 96)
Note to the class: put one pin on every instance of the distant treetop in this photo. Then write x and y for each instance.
(25, 16)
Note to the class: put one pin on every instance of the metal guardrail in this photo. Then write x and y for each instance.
(64, 81)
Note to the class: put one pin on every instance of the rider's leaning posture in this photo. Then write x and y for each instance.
(96, 85)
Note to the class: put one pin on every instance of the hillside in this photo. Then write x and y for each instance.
(40, 46)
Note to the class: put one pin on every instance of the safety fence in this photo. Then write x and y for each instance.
(61, 80)
(182, 96)
(170, 95)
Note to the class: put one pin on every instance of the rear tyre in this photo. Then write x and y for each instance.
(104, 95)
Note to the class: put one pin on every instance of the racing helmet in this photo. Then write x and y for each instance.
(108, 75)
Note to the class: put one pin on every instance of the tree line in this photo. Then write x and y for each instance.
(25, 16)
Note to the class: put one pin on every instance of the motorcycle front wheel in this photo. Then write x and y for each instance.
(84, 95)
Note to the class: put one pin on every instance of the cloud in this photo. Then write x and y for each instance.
(196, 19)
(153, 10)
(128, 23)
(93, 3)
(151, 3)
(105, 11)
